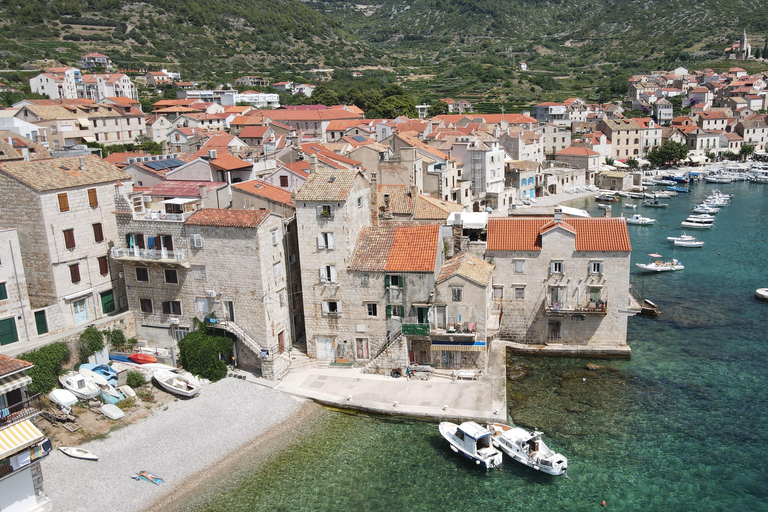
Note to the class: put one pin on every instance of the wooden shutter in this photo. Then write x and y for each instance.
(63, 202)
(330, 240)
(93, 199)
(98, 233)
(103, 266)
(389, 311)
(323, 277)
(69, 238)
(320, 241)
(386, 281)
(3, 292)
(140, 241)
(74, 272)
(166, 308)
(325, 307)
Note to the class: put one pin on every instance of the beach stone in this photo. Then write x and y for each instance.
(593, 367)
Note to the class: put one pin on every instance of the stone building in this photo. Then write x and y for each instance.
(16, 316)
(62, 209)
(565, 282)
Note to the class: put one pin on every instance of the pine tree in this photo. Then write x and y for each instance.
(765, 49)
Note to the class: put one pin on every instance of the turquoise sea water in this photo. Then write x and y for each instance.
(681, 426)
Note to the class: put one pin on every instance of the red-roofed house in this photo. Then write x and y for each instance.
(582, 157)
(569, 280)
(257, 194)
(155, 78)
(289, 177)
(256, 135)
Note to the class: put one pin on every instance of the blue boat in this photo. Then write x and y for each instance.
(104, 370)
(679, 189)
(120, 357)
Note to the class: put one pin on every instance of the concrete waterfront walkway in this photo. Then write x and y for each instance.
(483, 399)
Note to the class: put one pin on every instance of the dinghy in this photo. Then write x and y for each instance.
(112, 412)
(175, 383)
(78, 453)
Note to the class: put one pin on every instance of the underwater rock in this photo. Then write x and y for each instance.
(516, 372)
(593, 366)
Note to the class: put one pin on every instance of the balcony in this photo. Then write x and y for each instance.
(591, 307)
(21, 411)
(155, 215)
(136, 255)
(464, 332)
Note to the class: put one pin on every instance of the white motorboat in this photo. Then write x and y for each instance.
(473, 441)
(630, 205)
(175, 383)
(639, 220)
(702, 221)
(704, 208)
(78, 453)
(658, 265)
(688, 241)
(63, 398)
(762, 293)
(528, 448)
(79, 386)
(654, 203)
(109, 393)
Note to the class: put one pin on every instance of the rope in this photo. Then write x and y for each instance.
(602, 503)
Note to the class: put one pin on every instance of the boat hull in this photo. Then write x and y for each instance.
(175, 384)
(78, 453)
(511, 441)
(448, 431)
(762, 294)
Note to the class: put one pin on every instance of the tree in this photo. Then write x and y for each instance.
(669, 153)
(394, 106)
(393, 90)
(746, 151)
(323, 95)
(632, 163)
(438, 109)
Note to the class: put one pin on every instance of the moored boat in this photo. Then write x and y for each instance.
(528, 448)
(689, 242)
(639, 220)
(473, 441)
(175, 383)
(654, 203)
(658, 265)
(603, 198)
(762, 293)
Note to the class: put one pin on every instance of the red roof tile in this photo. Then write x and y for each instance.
(230, 163)
(10, 365)
(524, 234)
(397, 249)
(182, 188)
(227, 218)
(267, 190)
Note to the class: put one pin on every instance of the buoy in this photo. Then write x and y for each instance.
(602, 503)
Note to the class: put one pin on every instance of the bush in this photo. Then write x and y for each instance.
(126, 404)
(91, 341)
(135, 379)
(47, 361)
(199, 354)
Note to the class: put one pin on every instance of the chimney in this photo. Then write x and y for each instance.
(313, 163)
(82, 164)
(558, 215)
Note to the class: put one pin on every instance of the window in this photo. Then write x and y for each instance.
(196, 240)
(284, 181)
(3, 292)
(198, 272)
(273, 236)
(328, 274)
(276, 269)
(373, 309)
(103, 265)
(556, 267)
(324, 211)
(69, 238)
(171, 276)
(74, 273)
(395, 310)
(146, 305)
(498, 291)
(360, 202)
(456, 294)
(98, 233)
(63, 202)
(8, 333)
(93, 199)
(142, 274)
(363, 351)
(519, 266)
(365, 280)
(172, 307)
(393, 281)
(595, 267)
(325, 241)
(331, 308)
(519, 292)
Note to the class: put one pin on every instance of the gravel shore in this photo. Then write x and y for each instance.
(185, 440)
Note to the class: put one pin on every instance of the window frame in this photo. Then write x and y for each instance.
(372, 306)
(273, 236)
(519, 266)
(557, 267)
(143, 302)
(145, 269)
(170, 308)
(166, 273)
(519, 292)
(3, 291)
(69, 238)
(596, 268)
(457, 291)
(98, 232)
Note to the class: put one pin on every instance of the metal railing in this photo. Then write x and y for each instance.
(161, 216)
(21, 411)
(148, 254)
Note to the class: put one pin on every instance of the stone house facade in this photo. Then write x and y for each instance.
(17, 321)
(565, 281)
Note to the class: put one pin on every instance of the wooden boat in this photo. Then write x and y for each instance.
(175, 383)
(78, 453)
(649, 308)
(142, 358)
(111, 411)
(473, 441)
(79, 386)
(527, 448)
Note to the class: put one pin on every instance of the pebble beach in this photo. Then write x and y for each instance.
(182, 443)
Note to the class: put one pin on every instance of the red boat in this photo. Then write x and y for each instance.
(142, 358)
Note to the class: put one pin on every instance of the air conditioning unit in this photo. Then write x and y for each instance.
(211, 294)
(174, 321)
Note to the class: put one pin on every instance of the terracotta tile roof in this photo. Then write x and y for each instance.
(10, 365)
(327, 185)
(524, 234)
(400, 201)
(254, 131)
(267, 190)
(321, 151)
(13, 149)
(468, 266)
(301, 167)
(119, 159)
(227, 218)
(60, 173)
(182, 188)
(577, 151)
(230, 163)
(397, 249)
(430, 208)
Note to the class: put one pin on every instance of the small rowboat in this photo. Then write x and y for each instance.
(78, 453)
(142, 358)
(112, 412)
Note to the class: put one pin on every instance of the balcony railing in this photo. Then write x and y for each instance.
(559, 308)
(161, 216)
(453, 331)
(159, 255)
(21, 411)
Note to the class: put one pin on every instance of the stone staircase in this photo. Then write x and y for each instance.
(301, 362)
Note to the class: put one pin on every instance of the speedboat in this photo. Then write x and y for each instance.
(704, 208)
(473, 441)
(79, 386)
(654, 203)
(630, 205)
(701, 221)
(603, 198)
(639, 220)
(528, 448)
(762, 293)
(176, 383)
(687, 241)
(658, 265)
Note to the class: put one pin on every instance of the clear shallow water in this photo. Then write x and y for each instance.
(681, 426)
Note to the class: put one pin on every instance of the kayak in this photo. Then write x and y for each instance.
(142, 358)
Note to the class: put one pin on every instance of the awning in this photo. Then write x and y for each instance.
(17, 437)
(77, 295)
(179, 200)
(642, 162)
(478, 346)
(697, 159)
(15, 381)
(88, 138)
(84, 122)
(620, 164)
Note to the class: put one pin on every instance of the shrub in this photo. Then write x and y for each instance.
(199, 353)
(126, 404)
(47, 361)
(91, 341)
(146, 395)
(135, 379)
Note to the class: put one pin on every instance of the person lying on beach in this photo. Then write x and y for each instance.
(149, 477)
